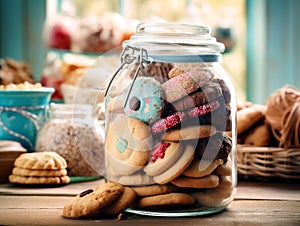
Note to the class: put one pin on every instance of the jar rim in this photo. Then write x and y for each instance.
(189, 36)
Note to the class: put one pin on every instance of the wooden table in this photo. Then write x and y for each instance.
(256, 203)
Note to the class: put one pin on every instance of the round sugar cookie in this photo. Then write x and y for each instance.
(128, 140)
(162, 157)
(178, 167)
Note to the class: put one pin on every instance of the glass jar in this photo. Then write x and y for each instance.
(73, 132)
(170, 122)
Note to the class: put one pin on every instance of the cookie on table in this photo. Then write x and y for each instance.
(38, 180)
(39, 173)
(41, 161)
(92, 200)
(121, 203)
(40, 168)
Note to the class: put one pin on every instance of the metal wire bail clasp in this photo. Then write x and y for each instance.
(129, 55)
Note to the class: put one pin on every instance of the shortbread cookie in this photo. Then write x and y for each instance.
(178, 167)
(41, 160)
(121, 203)
(16, 179)
(91, 200)
(201, 167)
(162, 157)
(155, 189)
(210, 181)
(39, 173)
(171, 199)
(191, 132)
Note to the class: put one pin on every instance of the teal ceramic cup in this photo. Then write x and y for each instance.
(22, 112)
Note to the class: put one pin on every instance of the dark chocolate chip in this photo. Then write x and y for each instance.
(86, 192)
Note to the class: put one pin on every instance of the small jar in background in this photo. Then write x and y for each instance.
(73, 132)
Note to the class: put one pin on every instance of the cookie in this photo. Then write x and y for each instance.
(259, 136)
(224, 169)
(91, 200)
(145, 99)
(184, 84)
(31, 180)
(38, 173)
(246, 117)
(210, 181)
(168, 122)
(121, 203)
(128, 140)
(116, 104)
(177, 168)
(175, 72)
(179, 117)
(188, 133)
(217, 196)
(200, 167)
(9, 145)
(155, 189)
(217, 146)
(41, 160)
(163, 156)
(137, 179)
(171, 199)
(205, 94)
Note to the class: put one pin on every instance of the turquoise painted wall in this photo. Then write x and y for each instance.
(273, 49)
(21, 26)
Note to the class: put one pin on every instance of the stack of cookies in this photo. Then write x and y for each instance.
(170, 128)
(40, 168)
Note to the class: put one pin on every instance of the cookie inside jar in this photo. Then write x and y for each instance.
(170, 132)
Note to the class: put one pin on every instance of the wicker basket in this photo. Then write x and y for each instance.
(268, 162)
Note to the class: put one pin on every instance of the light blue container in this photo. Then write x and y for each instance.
(22, 112)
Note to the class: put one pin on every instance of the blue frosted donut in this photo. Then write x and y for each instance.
(145, 99)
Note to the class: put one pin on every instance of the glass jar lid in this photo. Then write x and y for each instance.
(158, 37)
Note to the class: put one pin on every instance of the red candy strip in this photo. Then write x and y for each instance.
(159, 151)
(204, 109)
(168, 122)
(178, 117)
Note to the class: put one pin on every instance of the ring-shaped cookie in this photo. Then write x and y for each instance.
(163, 156)
(145, 99)
(128, 142)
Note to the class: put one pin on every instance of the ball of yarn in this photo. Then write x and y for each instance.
(283, 116)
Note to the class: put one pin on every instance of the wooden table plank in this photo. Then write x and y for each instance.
(46, 210)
